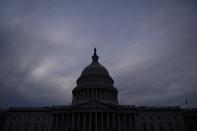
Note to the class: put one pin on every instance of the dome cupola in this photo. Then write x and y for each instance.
(95, 83)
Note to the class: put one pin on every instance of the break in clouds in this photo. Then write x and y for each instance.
(149, 48)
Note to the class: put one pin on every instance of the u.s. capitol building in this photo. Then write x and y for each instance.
(95, 107)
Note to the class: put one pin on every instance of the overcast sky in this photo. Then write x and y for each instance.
(149, 48)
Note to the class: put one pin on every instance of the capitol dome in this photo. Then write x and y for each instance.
(95, 83)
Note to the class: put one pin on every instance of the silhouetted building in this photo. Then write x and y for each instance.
(95, 107)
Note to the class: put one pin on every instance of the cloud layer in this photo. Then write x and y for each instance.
(149, 49)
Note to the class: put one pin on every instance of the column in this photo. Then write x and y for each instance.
(92, 91)
(85, 94)
(113, 120)
(96, 121)
(62, 125)
(56, 122)
(86, 97)
(130, 123)
(104, 93)
(78, 119)
(76, 96)
(84, 122)
(111, 92)
(101, 93)
(90, 96)
(89, 93)
(96, 96)
(113, 96)
(119, 128)
(72, 120)
(98, 93)
(107, 94)
(110, 95)
(103, 97)
(125, 125)
(73, 98)
(90, 121)
(101, 121)
(67, 121)
(107, 121)
(117, 97)
(53, 126)
(79, 94)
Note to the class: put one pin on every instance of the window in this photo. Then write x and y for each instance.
(144, 126)
(151, 127)
(170, 126)
(26, 126)
(35, 127)
(177, 126)
(42, 126)
(10, 126)
(160, 126)
(18, 127)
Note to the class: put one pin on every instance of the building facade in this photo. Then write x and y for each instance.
(95, 107)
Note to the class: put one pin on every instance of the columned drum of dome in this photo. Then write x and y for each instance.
(95, 83)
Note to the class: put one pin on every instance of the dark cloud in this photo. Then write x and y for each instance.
(148, 47)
